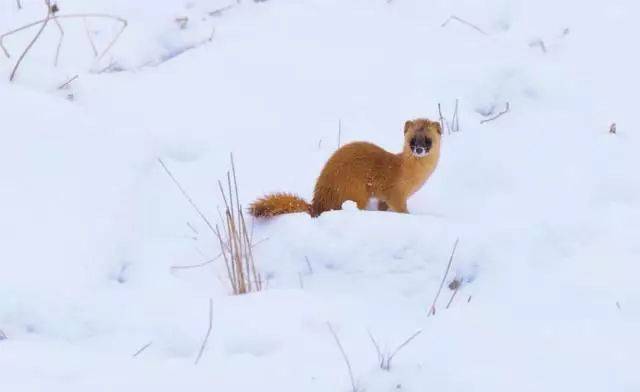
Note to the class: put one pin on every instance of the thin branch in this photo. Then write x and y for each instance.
(141, 349)
(186, 195)
(190, 266)
(88, 32)
(507, 107)
(33, 41)
(206, 337)
(68, 82)
(455, 121)
(457, 19)
(220, 11)
(68, 16)
(192, 228)
(344, 356)
(308, 265)
(455, 286)
(401, 346)
(432, 310)
(115, 39)
(377, 347)
(61, 31)
(443, 122)
(197, 265)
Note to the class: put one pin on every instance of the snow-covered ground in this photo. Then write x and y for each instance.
(544, 200)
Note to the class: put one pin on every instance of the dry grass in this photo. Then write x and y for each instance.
(432, 309)
(235, 240)
(52, 14)
(384, 359)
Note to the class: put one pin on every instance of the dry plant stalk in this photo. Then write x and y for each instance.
(235, 240)
(52, 14)
(454, 124)
(206, 336)
(432, 310)
(68, 82)
(384, 360)
(354, 387)
(141, 349)
(454, 286)
(457, 19)
(507, 108)
(45, 21)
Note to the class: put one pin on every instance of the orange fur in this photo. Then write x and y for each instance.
(360, 171)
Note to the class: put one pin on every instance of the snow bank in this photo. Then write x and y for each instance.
(544, 201)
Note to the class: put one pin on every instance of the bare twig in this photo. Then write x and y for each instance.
(61, 31)
(69, 16)
(401, 346)
(308, 265)
(432, 310)
(455, 122)
(613, 129)
(33, 41)
(454, 286)
(457, 19)
(507, 107)
(186, 195)
(88, 32)
(175, 267)
(384, 360)
(206, 337)
(378, 350)
(141, 349)
(115, 38)
(443, 123)
(191, 266)
(68, 82)
(354, 388)
(220, 11)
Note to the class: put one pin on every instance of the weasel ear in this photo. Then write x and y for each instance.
(438, 127)
(407, 125)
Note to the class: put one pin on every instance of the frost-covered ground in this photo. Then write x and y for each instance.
(545, 201)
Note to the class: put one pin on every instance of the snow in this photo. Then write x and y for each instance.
(544, 201)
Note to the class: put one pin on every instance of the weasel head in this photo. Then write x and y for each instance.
(421, 137)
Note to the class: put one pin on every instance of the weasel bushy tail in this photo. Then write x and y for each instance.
(278, 204)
